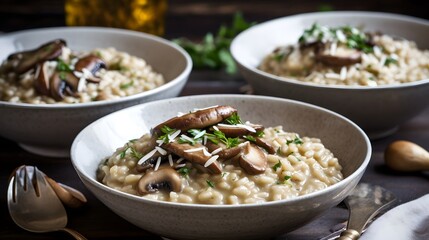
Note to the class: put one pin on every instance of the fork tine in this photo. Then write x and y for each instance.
(42, 184)
(28, 175)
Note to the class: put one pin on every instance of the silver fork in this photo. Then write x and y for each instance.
(33, 204)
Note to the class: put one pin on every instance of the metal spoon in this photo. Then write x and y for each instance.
(364, 203)
(33, 204)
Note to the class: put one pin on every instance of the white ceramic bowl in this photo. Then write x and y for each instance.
(252, 221)
(49, 129)
(378, 110)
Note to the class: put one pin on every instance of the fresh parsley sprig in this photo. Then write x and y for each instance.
(213, 51)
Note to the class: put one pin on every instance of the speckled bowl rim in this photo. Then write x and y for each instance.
(338, 14)
(345, 181)
(177, 80)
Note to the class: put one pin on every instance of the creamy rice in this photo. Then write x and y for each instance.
(299, 166)
(387, 60)
(125, 75)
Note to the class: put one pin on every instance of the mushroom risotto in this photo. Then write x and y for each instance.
(348, 56)
(210, 156)
(53, 73)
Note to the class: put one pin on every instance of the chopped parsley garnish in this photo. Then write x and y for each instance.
(224, 174)
(184, 171)
(234, 119)
(213, 51)
(63, 67)
(62, 75)
(278, 57)
(122, 155)
(277, 166)
(126, 85)
(210, 183)
(136, 154)
(183, 140)
(390, 60)
(297, 140)
(260, 133)
(285, 179)
(167, 132)
(229, 142)
(250, 138)
(350, 36)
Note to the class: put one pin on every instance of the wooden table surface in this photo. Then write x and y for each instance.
(96, 221)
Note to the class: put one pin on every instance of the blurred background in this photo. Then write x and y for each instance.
(208, 15)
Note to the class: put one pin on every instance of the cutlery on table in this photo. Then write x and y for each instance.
(364, 203)
(33, 204)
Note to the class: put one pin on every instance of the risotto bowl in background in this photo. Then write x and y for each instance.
(49, 127)
(378, 108)
(262, 220)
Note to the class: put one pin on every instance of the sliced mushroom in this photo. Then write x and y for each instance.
(41, 82)
(21, 62)
(185, 150)
(68, 195)
(199, 119)
(265, 145)
(164, 178)
(225, 153)
(91, 63)
(253, 160)
(56, 87)
(340, 56)
(236, 131)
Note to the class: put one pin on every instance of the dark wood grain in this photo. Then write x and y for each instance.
(193, 19)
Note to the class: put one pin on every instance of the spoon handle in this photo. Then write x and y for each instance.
(75, 234)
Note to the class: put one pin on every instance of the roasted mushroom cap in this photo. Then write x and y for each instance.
(265, 145)
(199, 119)
(338, 56)
(238, 131)
(164, 178)
(253, 160)
(186, 151)
(91, 63)
(41, 82)
(21, 62)
(225, 153)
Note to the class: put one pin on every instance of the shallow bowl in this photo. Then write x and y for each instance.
(197, 221)
(49, 129)
(378, 110)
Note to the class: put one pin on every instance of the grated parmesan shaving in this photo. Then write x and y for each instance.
(170, 159)
(211, 160)
(147, 156)
(216, 151)
(194, 149)
(158, 161)
(161, 151)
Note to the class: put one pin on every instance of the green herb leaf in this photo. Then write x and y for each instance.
(250, 138)
(183, 140)
(213, 51)
(277, 166)
(285, 180)
(234, 119)
(167, 132)
(184, 171)
(297, 140)
(126, 85)
(229, 142)
(260, 133)
(210, 183)
(390, 60)
(63, 67)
